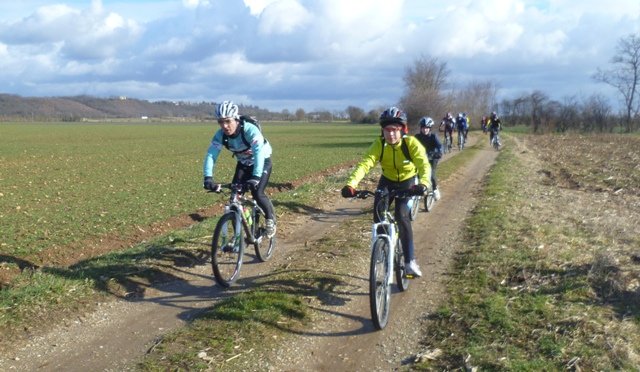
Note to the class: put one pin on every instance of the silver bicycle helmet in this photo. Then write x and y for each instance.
(227, 109)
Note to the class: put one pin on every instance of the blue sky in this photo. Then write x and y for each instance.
(289, 54)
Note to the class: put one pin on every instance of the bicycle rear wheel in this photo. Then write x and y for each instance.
(428, 201)
(415, 206)
(263, 245)
(401, 279)
(227, 249)
(379, 291)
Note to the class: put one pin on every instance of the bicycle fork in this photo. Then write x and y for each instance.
(391, 238)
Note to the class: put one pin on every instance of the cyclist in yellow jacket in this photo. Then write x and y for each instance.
(402, 158)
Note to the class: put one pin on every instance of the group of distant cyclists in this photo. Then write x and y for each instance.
(408, 162)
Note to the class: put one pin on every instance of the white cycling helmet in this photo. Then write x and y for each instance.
(426, 122)
(227, 109)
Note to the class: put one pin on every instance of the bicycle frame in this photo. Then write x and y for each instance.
(239, 203)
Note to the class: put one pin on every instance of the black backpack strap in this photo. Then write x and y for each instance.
(225, 139)
(403, 146)
(405, 150)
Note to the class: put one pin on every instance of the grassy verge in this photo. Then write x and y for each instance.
(536, 288)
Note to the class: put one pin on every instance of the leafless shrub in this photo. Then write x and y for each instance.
(606, 277)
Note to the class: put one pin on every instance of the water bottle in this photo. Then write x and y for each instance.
(247, 216)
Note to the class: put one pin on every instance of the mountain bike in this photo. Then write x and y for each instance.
(387, 256)
(495, 141)
(243, 222)
(448, 142)
(460, 140)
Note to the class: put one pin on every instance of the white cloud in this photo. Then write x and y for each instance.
(257, 6)
(283, 17)
(192, 4)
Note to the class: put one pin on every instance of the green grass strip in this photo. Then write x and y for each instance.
(512, 307)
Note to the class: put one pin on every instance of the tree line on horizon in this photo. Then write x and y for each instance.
(428, 92)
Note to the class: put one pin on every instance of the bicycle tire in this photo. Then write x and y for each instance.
(401, 279)
(263, 245)
(379, 291)
(415, 206)
(227, 249)
(428, 201)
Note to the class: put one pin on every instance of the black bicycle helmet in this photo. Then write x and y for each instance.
(394, 115)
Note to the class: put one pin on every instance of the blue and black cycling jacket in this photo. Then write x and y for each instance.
(432, 144)
(254, 155)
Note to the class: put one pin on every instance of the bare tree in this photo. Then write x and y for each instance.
(356, 114)
(424, 84)
(568, 115)
(477, 98)
(538, 101)
(597, 113)
(625, 75)
(300, 114)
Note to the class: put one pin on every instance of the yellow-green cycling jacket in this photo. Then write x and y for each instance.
(395, 166)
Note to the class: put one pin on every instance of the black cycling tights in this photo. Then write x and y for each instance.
(244, 172)
(401, 213)
(434, 180)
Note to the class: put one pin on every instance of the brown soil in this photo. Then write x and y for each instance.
(119, 332)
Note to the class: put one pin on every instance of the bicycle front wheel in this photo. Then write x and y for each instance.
(428, 201)
(415, 205)
(263, 245)
(379, 291)
(227, 249)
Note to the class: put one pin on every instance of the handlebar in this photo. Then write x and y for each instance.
(363, 194)
(239, 188)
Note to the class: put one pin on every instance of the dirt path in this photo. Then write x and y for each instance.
(346, 339)
(121, 331)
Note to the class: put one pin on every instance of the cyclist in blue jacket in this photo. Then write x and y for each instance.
(253, 153)
(432, 144)
(461, 125)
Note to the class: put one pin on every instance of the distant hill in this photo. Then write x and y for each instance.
(86, 107)
(81, 108)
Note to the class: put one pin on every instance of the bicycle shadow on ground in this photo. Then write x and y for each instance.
(327, 293)
(295, 207)
(161, 268)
